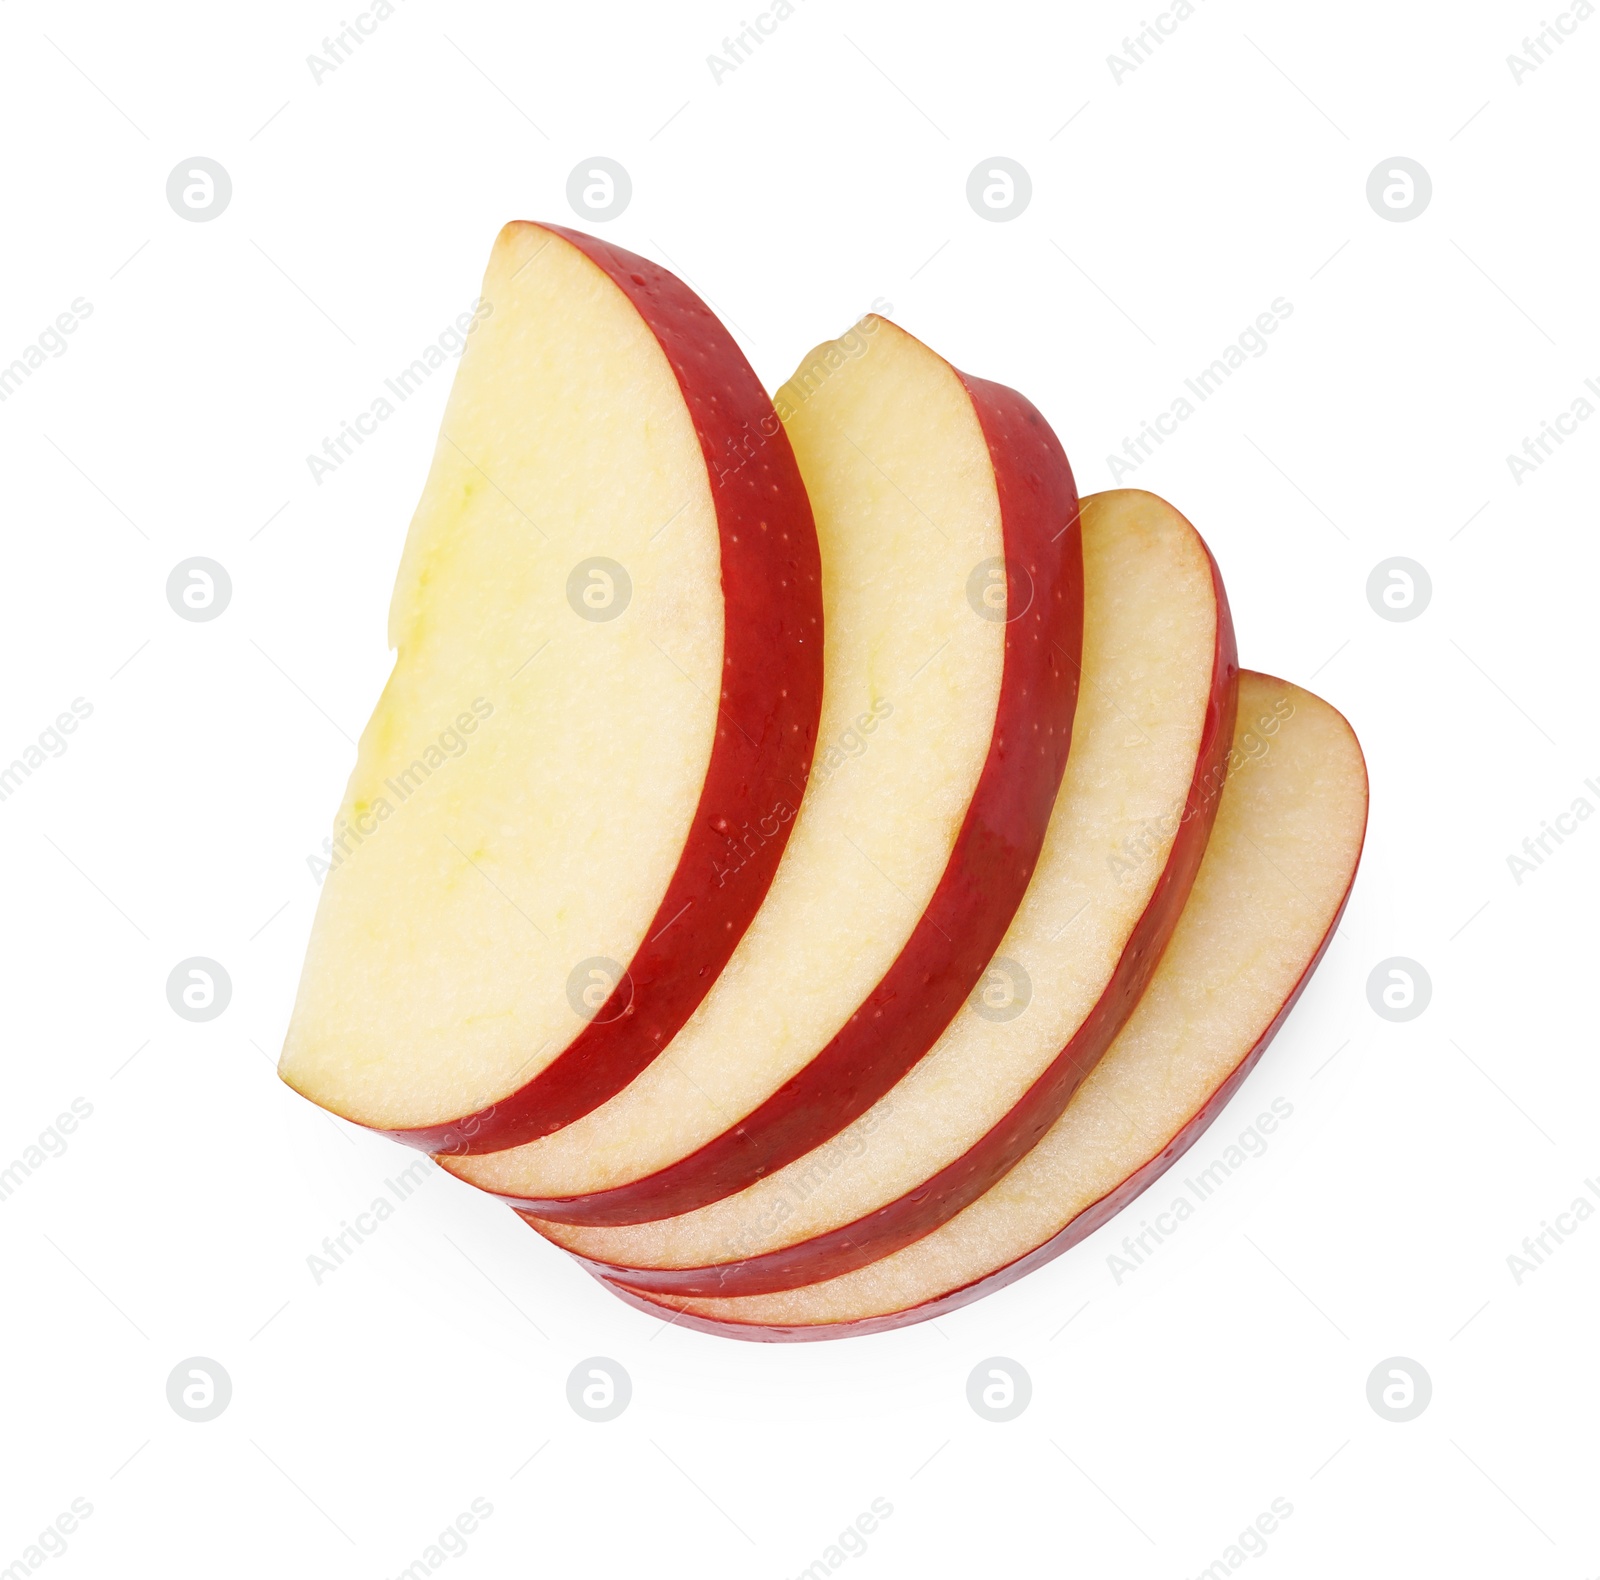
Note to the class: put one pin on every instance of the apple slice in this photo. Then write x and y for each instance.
(1149, 754)
(1277, 872)
(953, 597)
(609, 665)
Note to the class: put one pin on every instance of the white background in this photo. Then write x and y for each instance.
(829, 170)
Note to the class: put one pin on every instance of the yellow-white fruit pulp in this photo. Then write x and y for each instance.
(902, 487)
(1149, 650)
(497, 859)
(1286, 840)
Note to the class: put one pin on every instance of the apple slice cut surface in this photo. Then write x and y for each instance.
(953, 599)
(1277, 871)
(1153, 728)
(608, 633)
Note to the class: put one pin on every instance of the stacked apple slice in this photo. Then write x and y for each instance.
(1154, 719)
(952, 617)
(632, 605)
(865, 868)
(1274, 881)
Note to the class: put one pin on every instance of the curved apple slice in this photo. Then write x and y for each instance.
(1276, 874)
(953, 597)
(1149, 746)
(608, 630)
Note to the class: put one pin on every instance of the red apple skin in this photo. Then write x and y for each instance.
(987, 872)
(962, 1181)
(1081, 1227)
(766, 728)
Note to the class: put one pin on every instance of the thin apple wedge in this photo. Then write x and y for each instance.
(608, 630)
(1277, 872)
(1153, 729)
(953, 599)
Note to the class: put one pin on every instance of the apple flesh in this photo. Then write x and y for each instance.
(953, 596)
(1154, 724)
(607, 624)
(1278, 869)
